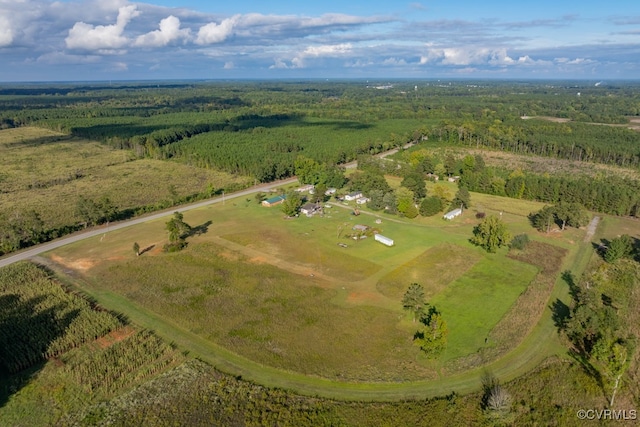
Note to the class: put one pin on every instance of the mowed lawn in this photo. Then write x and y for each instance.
(283, 293)
(473, 304)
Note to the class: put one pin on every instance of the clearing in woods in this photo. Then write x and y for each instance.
(283, 294)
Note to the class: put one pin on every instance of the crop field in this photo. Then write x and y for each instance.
(47, 172)
(284, 294)
(82, 353)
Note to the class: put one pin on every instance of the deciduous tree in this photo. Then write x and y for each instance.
(491, 234)
(292, 204)
(430, 206)
(432, 336)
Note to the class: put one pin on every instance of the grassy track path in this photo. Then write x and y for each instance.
(540, 344)
(534, 350)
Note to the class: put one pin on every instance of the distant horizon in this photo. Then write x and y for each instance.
(94, 40)
(603, 82)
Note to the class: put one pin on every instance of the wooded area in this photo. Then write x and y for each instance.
(262, 130)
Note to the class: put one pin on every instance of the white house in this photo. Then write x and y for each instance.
(310, 209)
(330, 191)
(454, 213)
(305, 188)
(353, 196)
(362, 200)
(384, 240)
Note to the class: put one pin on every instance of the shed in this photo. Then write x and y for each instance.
(273, 201)
(384, 240)
(360, 227)
(362, 200)
(452, 214)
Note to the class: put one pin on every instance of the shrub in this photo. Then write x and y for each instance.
(519, 242)
(480, 215)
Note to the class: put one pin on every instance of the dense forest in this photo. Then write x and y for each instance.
(257, 128)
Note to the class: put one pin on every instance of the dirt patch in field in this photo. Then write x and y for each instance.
(115, 336)
(81, 264)
(258, 260)
(231, 256)
(547, 118)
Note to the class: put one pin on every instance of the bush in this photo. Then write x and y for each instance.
(519, 242)
(430, 206)
(619, 247)
(175, 246)
(411, 211)
(480, 215)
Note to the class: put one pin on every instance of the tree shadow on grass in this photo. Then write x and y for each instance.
(560, 313)
(200, 229)
(574, 289)
(147, 249)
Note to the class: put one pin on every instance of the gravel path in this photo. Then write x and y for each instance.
(591, 228)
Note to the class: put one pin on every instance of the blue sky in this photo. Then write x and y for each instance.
(171, 39)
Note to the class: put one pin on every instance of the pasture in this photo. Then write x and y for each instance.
(284, 294)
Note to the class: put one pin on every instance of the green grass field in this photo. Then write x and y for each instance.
(474, 303)
(284, 294)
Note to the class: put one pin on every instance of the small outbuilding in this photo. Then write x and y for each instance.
(305, 188)
(353, 196)
(452, 214)
(362, 200)
(330, 191)
(384, 240)
(273, 201)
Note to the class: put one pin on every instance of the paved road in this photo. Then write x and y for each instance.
(96, 231)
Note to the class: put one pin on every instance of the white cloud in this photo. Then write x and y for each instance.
(328, 50)
(102, 37)
(321, 51)
(169, 31)
(229, 65)
(394, 61)
(6, 32)
(216, 33)
(279, 64)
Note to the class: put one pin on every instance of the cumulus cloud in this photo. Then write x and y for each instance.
(467, 56)
(216, 33)
(169, 32)
(328, 50)
(102, 37)
(321, 51)
(6, 32)
(279, 64)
